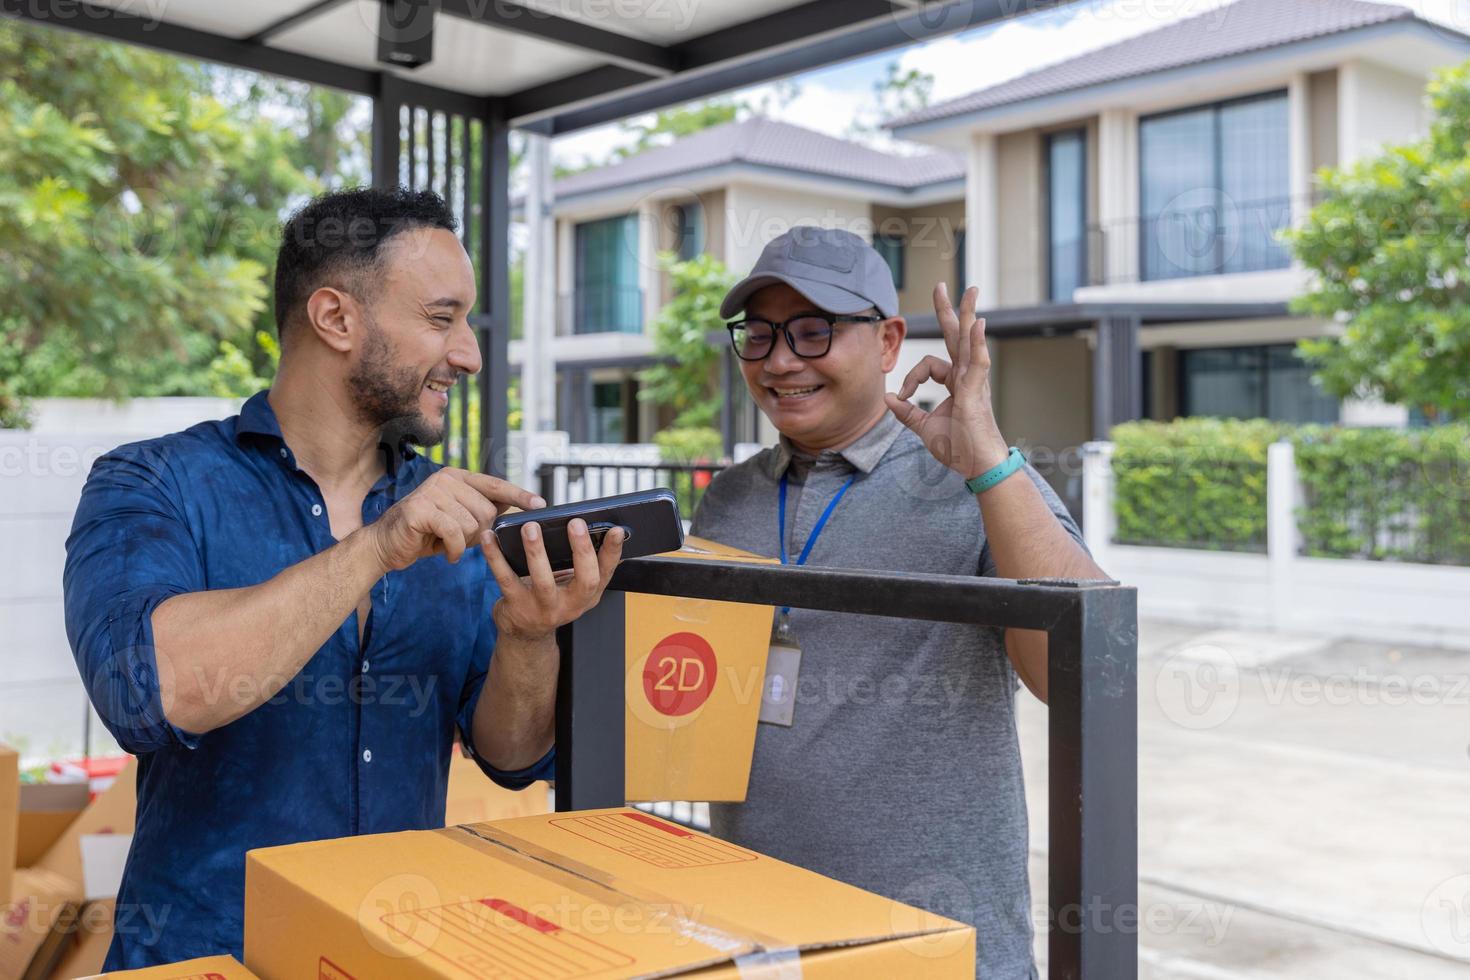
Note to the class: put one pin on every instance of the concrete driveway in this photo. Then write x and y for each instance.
(1304, 807)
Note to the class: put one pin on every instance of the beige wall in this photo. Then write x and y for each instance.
(1377, 106)
(1043, 390)
(1322, 108)
(931, 249)
(1020, 237)
(755, 214)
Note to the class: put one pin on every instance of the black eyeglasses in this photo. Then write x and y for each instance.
(809, 335)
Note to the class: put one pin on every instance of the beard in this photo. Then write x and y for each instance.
(387, 395)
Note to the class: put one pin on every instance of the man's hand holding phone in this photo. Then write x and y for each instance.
(454, 509)
(536, 605)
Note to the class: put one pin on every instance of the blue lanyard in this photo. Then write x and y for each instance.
(816, 529)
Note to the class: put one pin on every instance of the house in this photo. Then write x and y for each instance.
(725, 192)
(1124, 206)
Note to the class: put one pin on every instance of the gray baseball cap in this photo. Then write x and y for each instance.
(835, 269)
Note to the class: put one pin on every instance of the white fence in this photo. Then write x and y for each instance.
(1393, 602)
(42, 469)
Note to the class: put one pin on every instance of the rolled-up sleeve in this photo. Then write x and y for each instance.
(129, 550)
(545, 767)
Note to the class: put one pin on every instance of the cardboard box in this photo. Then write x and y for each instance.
(36, 923)
(9, 817)
(112, 812)
(39, 922)
(204, 968)
(616, 893)
(694, 673)
(474, 798)
(84, 955)
(46, 810)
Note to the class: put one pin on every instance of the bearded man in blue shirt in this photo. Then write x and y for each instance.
(288, 614)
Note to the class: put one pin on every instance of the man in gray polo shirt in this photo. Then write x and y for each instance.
(895, 766)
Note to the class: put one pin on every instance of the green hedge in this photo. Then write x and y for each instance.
(1193, 483)
(1377, 494)
(1385, 494)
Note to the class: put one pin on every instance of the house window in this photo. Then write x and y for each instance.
(891, 248)
(605, 420)
(1214, 188)
(607, 297)
(1268, 382)
(688, 230)
(1066, 197)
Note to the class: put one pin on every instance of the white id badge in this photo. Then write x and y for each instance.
(783, 664)
(778, 693)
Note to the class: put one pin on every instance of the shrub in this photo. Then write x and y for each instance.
(1385, 494)
(1193, 483)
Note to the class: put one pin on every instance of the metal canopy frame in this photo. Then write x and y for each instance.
(636, 77)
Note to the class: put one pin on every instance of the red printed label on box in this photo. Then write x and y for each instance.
(659, 843)
(679, 674)
(496, 937)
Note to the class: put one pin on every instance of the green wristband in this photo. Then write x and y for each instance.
(1013, 462)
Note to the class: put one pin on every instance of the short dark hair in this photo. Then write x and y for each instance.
(337, 239)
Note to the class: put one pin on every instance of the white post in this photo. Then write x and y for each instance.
(1282, 536)
(1099, 520)
(982, 223)
(1117, 194)
(539, 323)
(649, 213)
(1299, 147)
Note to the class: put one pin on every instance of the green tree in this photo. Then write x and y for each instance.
(1387, 249)
(139, 212)
(686, 379)
(895, 94)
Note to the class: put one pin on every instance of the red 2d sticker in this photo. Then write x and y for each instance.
(679, 674)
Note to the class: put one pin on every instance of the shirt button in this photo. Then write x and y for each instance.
(367, 755)
(316, 510)
(284, 454)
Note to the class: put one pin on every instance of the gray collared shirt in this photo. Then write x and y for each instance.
(902, 771)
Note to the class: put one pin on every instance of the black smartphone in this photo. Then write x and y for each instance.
(649, 519)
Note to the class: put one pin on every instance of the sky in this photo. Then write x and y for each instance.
(832, 98)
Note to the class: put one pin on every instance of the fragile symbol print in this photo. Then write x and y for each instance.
(679, 674)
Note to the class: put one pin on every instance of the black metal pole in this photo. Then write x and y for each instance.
(495, 289)
(387, 141)
(1092, 848)
(590, 728)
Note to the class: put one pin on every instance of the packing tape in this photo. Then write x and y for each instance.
(775, 964)
(732, 940)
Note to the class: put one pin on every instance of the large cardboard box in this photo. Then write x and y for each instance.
(694, 673)
(474, 798)
(205, 968)
(613, 893)
(9, 816)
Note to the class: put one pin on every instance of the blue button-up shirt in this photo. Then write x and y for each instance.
(358, 742)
